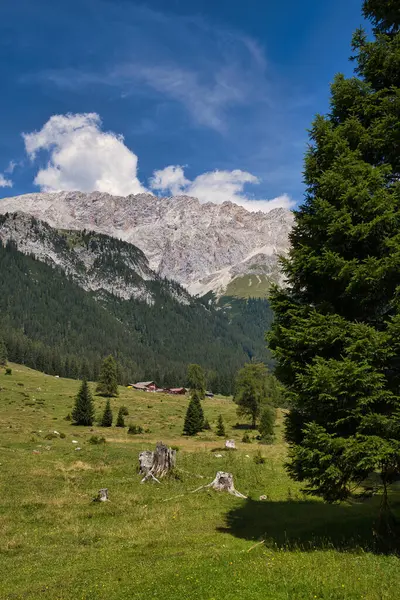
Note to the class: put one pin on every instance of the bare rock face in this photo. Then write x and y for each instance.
(202, 246)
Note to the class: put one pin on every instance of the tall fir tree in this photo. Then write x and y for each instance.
(83, 412)
(3, 353)
(194, 419)
(108, 382)
(336, 334)
(107, 418)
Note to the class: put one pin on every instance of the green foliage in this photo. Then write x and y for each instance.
(120, 418)
(8, 371)
(206, 426)
(83, 412)
(251, 390)
(124, 411)
(337, 328)
(135, 429)
(246, 439)
(108, 383)
(107, 418)
(258, 458)
(220, 430)
(96, 440)
(194, 419)
(267, 424)
(3, 353)
(196, 380)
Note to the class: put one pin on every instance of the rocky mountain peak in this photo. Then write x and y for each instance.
(205, 247)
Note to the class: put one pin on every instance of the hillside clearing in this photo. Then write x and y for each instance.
(56, 544)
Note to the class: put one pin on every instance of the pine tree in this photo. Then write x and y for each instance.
(251, 390)
(336, 334)
(3, 353)
(108, 385)
(220, 427)
(107, 418)
(120, 418)
(83, 412)
(194, 419)
(197, 380)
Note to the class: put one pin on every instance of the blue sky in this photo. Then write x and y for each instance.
(210, 98)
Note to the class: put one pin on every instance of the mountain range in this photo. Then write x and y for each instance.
(206, 247)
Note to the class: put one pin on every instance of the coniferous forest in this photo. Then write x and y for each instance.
(51, 324)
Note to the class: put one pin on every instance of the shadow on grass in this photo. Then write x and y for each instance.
(309, 525)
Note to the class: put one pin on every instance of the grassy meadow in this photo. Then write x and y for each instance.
(160, 541)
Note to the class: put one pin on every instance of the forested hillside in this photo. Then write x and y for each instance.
(52, 324)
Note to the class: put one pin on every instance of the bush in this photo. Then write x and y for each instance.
(206, 426)
(124, 411)
(267, 439)
(8, 371)
(258, 458)
(50, 436)
(246, 438)
(97, 439)
(62, 436)
(68, 417)
(135, 429)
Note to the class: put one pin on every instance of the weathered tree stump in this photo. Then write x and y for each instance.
(158, 463)
(223, 482)
(102, 496)
(145, 461)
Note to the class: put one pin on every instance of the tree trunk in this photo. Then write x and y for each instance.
(158, 463)
(223, 482)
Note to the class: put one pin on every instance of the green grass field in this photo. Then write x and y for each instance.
(56, 544)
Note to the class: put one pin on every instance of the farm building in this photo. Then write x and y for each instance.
(145, 386)
(178, 390)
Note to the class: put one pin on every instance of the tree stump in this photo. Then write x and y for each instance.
(102, 496)
(145, 461)
(158, 463)
(223, 482)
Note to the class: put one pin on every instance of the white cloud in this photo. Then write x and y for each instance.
(217, 187)
(171, 178)
(83, 157)
(5, 182)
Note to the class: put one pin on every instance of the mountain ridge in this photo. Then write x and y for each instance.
(203, 246)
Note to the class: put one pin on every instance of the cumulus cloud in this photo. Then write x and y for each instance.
(215, 186)
(83, 157)
(5, 182)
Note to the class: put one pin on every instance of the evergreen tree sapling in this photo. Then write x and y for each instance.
(120, 418)
(194, 419)
(83, 412)
(107, 418)
(267, 423)
(336, 335)
(108, 383)
(220, 430)
(197, 380)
